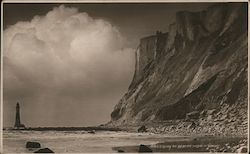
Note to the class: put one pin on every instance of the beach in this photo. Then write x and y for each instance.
(110, 141)
(76, 141)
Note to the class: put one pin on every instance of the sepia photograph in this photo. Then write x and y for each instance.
(124, 76)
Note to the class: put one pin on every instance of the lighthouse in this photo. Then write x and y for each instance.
(18, 124)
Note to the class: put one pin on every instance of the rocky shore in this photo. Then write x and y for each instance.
(229, 123)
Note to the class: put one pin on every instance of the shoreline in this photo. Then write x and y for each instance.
(90, 128)
(167, 143)
(198, 144)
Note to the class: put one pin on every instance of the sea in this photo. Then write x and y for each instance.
(76, 141)
(14, 141)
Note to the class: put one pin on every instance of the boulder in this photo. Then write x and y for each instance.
(192, 125)
(209, 112)
(33, 145)
(209, 117)
(223, 117)
(242, 150)
(142, 129)
(203, 113)
(144, 148)
(193, 115)
(91, 132)
(120, 151)
(44, 150)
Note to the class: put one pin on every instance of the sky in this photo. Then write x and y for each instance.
(70, 64)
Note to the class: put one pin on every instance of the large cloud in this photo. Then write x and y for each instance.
(64, 63)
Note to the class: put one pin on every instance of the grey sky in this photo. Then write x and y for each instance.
(64, 73)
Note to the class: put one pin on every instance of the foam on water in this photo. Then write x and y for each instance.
(76, 141)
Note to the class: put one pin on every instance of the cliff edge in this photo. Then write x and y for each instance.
(198, 67)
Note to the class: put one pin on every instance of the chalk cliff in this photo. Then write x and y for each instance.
(200, 64)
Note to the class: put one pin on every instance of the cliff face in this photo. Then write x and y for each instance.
(199, 64)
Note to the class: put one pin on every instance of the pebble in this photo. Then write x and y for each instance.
(231, 123)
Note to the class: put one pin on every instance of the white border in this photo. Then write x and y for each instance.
(1, 85)
(248, 74)
(120, 1)
(107, 1)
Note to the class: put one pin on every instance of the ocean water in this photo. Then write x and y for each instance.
(77, 141)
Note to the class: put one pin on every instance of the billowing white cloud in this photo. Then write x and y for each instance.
(65, 56)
